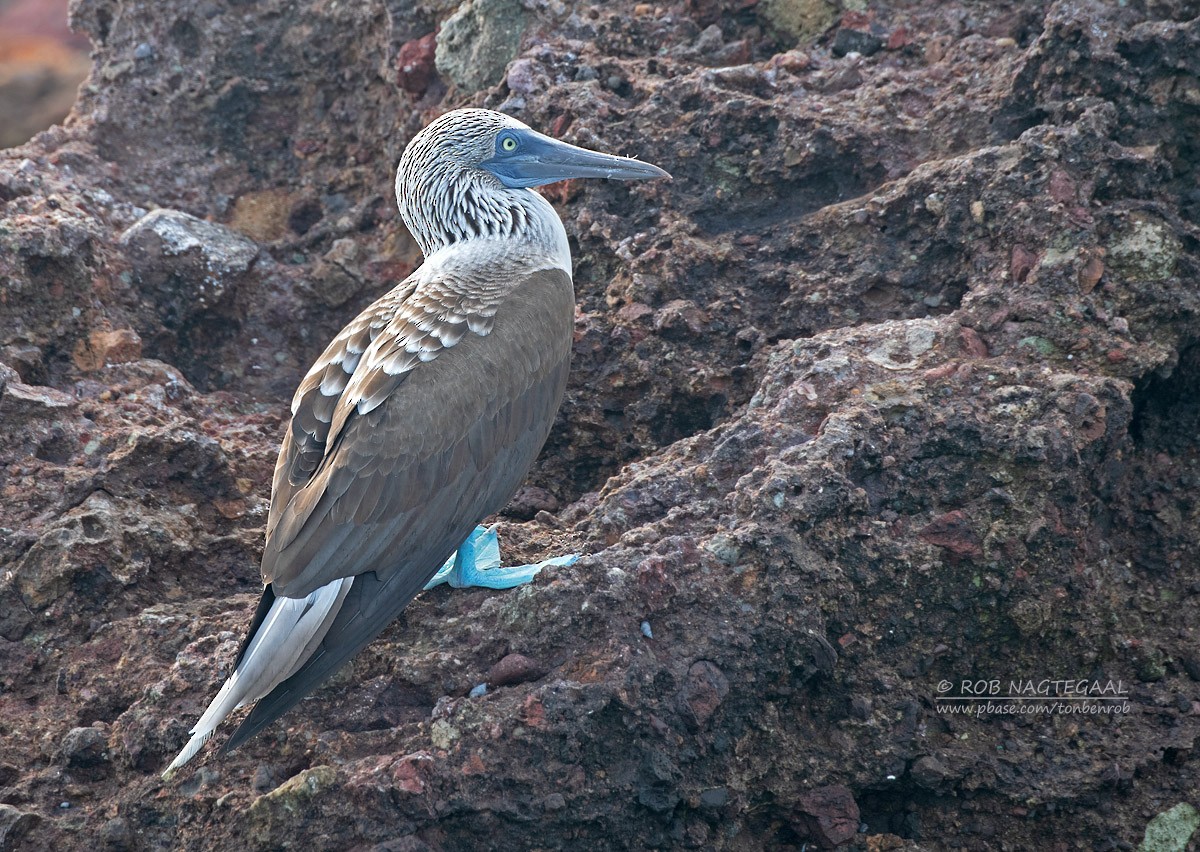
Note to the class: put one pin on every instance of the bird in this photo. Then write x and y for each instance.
(421, 417)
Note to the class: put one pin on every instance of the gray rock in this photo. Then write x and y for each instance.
(195, 261)
(20, 401)
(14, 825)
(477, 42)
(929, 772)
(84, 747)
(225, 251)
(116, 834)
(68, 550)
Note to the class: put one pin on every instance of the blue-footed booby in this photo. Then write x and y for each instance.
(423, 415)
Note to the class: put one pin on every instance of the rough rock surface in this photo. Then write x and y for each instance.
(897, 383)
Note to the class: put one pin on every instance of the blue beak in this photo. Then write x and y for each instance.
(526, 158)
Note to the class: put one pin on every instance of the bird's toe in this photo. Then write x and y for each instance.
(476, 563)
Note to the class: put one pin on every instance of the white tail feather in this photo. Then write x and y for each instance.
(283, 642)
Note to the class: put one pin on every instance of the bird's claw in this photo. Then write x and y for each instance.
(477, 563)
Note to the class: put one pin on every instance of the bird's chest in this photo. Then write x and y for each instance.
(528, 345)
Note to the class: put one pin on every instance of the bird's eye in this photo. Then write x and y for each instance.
(508, 143)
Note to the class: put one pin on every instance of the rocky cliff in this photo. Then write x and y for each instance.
(895, 386)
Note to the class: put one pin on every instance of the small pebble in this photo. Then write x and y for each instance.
(515, 668)
(115, 834)
(264, 779)
(646, 631)
(143, 51)
(478, 691)
(555, 802)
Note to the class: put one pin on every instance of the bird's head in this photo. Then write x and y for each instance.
(468, 174)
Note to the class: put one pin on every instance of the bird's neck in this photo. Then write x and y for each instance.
(468, 220)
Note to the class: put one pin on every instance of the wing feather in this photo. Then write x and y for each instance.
(315, 401)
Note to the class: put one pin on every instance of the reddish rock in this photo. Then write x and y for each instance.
(634, 312)
(972, 344)
(940, 372)
(410, 773)
(515, 668)
(680, 316)
(654, 580)
(103, 348)
(1022, 263)
(562, 191)
(232, 509)
(954, 532)
(703, 691)
(898, 38)
(415, 68)
(828, 815)
(1061, 187)
(42, 64)
(473, 765)
(1092, 272)
(533, 713)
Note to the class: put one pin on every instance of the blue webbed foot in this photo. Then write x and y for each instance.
(477, 563)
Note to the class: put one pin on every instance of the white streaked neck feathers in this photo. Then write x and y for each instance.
(540, 244)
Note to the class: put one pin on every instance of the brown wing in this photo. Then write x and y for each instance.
(404, 482)
(411, 329)
(415, 332)
(316, 399)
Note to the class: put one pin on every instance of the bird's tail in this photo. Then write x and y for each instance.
(284, 640)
